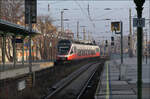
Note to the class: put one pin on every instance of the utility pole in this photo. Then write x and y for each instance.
(78, 30)
(84, 36)
(62, 20)
(130, 28)
(88, 35)
(139, 8)
(68, 26)
(91, 38)
(62, 24)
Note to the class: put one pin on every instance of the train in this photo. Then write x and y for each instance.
(69, 50)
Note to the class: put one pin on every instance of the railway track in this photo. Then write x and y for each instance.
(89, 89)
(87, 84)
(73, 83)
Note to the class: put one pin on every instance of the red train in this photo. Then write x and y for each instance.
(69, 50)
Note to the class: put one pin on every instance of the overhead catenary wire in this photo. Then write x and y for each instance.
(84, 13)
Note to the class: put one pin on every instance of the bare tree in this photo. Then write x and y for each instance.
(12, 11)
(47, 29)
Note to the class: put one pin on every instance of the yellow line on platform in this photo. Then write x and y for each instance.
(107, 87)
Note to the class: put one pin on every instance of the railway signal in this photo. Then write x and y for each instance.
(128, 40)
(112, 41)
(116, 26)
(106, 43)
(30, 11)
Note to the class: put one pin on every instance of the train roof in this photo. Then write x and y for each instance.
(80, 42)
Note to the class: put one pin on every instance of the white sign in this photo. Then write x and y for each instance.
(21, 85)
(138, 22)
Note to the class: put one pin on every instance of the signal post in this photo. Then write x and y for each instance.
(30, 17)
(118, 28)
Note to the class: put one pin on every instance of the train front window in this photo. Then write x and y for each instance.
(63, 47)
(63, 50)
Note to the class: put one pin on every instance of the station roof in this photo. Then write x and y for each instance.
(15, 29)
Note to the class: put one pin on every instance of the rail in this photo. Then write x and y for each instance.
(86, 85)
(63, 83)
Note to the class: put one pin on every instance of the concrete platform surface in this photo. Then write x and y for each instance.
(110, 87)
(9, 71)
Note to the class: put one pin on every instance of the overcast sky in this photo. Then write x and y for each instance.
(78, 11)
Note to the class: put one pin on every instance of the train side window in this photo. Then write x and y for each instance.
(75, 50)
(88, 52)
(79, 52)
(97, 49)
(83, 52)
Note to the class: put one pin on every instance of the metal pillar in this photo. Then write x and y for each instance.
(37, 52)
(23, 52)
(14, 51)
(30, 56)
(52, 50)
(121, 43)
(139, 60)
(3, 50)
(139, 8)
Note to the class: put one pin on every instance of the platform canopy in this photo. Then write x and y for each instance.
(15, 29)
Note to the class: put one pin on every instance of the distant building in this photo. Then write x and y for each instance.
(68, 34)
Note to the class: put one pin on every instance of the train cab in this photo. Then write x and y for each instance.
(63, 49)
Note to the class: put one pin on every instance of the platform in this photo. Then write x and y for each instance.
(9, 71)
(110, 87)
